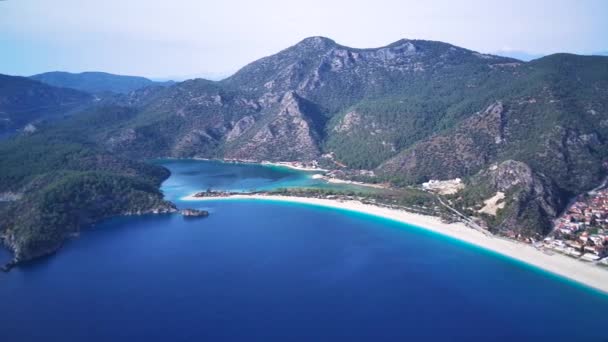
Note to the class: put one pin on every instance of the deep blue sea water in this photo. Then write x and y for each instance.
(270, 271)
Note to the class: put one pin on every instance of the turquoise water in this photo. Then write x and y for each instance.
(190, 176)
(270, 271)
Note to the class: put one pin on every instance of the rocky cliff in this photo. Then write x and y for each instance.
(410, 111)
(527, 200)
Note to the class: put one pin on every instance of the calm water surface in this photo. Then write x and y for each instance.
(190, 176)
(270, 271)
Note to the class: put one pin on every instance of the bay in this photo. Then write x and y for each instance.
(273, 271)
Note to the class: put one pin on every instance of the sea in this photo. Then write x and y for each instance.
(262, 270)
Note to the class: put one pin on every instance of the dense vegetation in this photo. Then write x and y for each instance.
(24, 101)
(411, 198)
(43, 219)
(411, 111)
(58, 182)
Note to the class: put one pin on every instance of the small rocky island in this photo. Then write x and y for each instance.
(194, 213)
(8, 266)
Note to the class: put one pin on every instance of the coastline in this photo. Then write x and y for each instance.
(316, 171)
(291, 165)
(557, 264)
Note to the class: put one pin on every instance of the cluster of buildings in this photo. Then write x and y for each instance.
(582, 231)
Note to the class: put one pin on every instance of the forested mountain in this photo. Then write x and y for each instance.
(54, 181)
(411, 111)
(96, 82)
(411, 84)
(24, 101)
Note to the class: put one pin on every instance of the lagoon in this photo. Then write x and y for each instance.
(272, 271)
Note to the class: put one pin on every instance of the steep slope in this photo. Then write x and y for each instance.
(528, 200)
(392, 96)
(411, 111)
(54, 181)
(393, 87)
(24, 101)
(335, 76)
(190, 119)
(96, 82)
(456, 153)
(289, 132)
(552, 117)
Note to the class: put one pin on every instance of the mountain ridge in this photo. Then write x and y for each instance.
(24, 103)
(96, 82)
(377, 103)
(405, 113)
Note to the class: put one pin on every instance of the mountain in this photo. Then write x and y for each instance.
(24, 103)
(411, 111)
(327, 80)
(53, 182)
(97, 82)
(531, 134)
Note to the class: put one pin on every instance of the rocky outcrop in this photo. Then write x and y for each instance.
(164, 207)
(10, 196)
(240, 127)
(348, 122)
(531, 200)
(572, 157)
(289, 134)
(194, 213)
(413, 110)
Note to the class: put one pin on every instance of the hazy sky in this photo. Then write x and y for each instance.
(157, 38)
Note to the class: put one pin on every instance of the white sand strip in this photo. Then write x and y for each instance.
(588, 274)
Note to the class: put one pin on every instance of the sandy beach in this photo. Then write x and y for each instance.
(291, 165)
(588, 274)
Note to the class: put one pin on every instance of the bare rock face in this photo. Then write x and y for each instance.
(509, 174)
(572, 153)
(532, 201)
(350, 120)
(10, 196)
(288, 135)
(491, 121)
(240, 127)
(194, 213)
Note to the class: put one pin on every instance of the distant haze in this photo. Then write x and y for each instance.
(187, 38)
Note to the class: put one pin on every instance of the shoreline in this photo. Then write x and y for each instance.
(290, 165)
(556, 264)
(320, 172)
